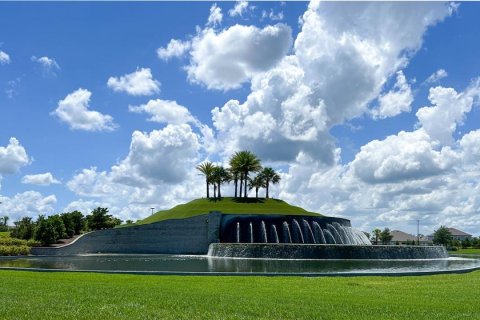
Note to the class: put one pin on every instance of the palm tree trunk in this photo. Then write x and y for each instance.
(208, 189)
(245, 186)
(236, 183)
(241, 185)
(256, 192)
(266, 188)
(219, 193)
(214, 191)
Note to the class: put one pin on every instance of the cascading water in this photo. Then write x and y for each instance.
(287, 236)
(274, 234)
(297, 236)
(307, 232)
(319, 233)
(250, 230)
(329, 237)
(335, 234)
(263, 232)
(238, 232)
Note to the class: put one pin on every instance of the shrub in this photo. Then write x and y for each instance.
(14, 250)
(24, 229)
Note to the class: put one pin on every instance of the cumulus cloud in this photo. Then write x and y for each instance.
(448, 110)
(395, 101)
(4, 58)
(226, 59)
(239, 8)
(49, 66)
(164, 111)
(29, 203)
(74, 110)
(41, 179)
(138, 83)
(216, 16)
(436, 76)
(13, 157)
(175, 48)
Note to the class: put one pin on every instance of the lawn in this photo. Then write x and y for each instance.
(467, 251)
(34, 295)
(227, 205)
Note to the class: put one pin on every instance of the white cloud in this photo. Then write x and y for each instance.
(138, 83)
(272, 15)
(13, 157)
(448, 110)
(396, 101)
(73, 110)
(4, 58)
(49, 65)
(175, 48)
(226, 59)
(29, 203)
(239, 8)
(436, 76)
(215, 16)
(42, 179)
(164, 111)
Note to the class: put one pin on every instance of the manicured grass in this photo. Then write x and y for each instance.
(466, 251)
(5, 234)
(226, 205)
(33, 295)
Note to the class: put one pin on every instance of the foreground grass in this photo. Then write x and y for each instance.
(31, 295)
(227, 205)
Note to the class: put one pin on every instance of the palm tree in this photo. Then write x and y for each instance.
(270, 176)
(376, 235)
(246, 162)
(206, 168)
(257, 183)
(234, 172)
(219, 176)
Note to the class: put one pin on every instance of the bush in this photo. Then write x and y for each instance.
(46, 231)
(24, 229)
(14, 250)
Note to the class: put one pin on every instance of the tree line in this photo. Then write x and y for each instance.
(48, 230)
(242, 164)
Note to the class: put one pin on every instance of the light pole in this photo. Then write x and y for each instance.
(418, 232)
(152, 208)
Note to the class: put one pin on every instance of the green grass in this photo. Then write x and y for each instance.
(466, 251)
(226, 205)
(33, 295)
(5, 234)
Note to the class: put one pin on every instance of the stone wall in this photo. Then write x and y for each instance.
(175, 236)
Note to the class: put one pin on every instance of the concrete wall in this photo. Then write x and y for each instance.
(175, 236)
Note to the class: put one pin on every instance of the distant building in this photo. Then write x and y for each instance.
(456, 235)
(400, 237)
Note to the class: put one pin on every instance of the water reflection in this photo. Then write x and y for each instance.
(179, 263)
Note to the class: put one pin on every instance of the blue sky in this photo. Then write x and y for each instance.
(369, 111)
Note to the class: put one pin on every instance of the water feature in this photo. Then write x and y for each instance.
(179, 264)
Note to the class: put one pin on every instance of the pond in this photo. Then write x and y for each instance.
(201, 264)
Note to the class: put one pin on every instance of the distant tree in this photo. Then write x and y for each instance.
(206, 168)
(376, 235)
(234, 176)
(129, 221)
(4, 223)
(246, 162)
(23, 229)
(442, 236)
(59, 226)
(79, 222)
(466, 243)
(68, 223)
(269, 176)
(45, 231)
(219, 176)
(257, 183)
(386, 236)
(98, 219)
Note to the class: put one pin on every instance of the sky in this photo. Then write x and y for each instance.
(368, 111)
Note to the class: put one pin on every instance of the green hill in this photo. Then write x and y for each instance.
(227, 206)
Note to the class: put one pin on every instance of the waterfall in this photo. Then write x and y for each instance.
(287, 237)
(238, 232)
(250, 230)
(319, 233)
(329, 239)
(307, 232)
(263, 232)
(341, 232)
(335, 234)
(273, 234)
(297, 236)
(363, 237)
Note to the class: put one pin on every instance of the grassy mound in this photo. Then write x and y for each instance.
(228, 206)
